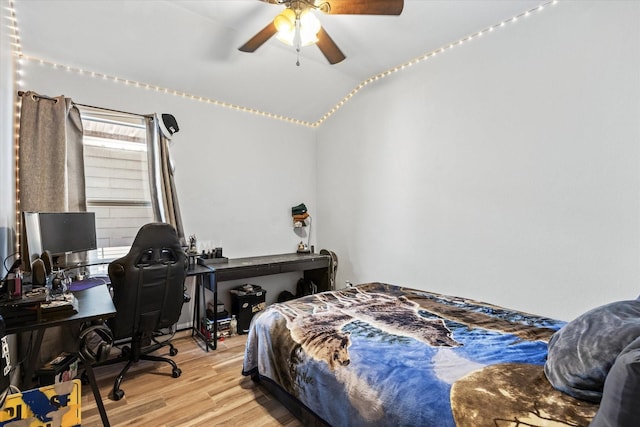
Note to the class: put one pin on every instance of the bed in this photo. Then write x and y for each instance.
(384, 355)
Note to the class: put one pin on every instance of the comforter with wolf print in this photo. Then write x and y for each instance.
(384, 355)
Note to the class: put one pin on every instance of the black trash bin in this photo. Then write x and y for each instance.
(247, 300)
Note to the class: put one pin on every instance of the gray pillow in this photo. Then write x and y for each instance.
(582, 352)
(619, 406)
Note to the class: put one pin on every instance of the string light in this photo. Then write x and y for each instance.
(223, 104)
(17, 51)
(430, 55)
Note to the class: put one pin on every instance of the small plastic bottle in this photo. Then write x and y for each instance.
(233, 325)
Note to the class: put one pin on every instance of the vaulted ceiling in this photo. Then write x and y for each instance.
(191, 46)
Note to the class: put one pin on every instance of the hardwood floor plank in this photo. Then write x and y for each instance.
(211, 391)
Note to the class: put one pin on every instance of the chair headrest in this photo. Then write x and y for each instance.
(156, 235)
(156, 243)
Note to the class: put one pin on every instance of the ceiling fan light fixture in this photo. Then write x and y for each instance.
(286, 37)
(309, 26)
(289, 28)
(286, 21)
(287, 24)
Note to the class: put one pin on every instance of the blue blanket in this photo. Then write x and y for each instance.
(379, 354)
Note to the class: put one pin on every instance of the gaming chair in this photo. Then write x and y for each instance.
(148, 293)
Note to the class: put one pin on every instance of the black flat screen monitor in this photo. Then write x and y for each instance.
(66, 232)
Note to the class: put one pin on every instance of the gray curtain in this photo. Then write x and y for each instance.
(163, 191)
(51, 163)
(51, 155)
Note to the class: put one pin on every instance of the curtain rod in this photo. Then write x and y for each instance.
(22, 93)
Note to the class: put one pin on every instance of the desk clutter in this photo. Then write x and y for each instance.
(42, 293)
(35, 306)
(63, 304)
(204, 253)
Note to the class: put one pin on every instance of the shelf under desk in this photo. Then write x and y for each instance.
(205, 278)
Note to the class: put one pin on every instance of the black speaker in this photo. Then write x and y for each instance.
(95, 343)
(48, 262)
(38, 273)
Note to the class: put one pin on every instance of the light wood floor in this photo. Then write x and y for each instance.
(211, 391)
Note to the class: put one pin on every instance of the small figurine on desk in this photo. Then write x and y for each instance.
(60, 282)
(192, 251)
(192, 244)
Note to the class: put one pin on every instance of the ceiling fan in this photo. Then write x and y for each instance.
(298, 26)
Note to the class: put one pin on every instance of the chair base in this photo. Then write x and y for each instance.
(117, 393)
(134, 354)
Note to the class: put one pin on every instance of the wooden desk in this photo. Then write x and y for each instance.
(93, 304)
(313, 266)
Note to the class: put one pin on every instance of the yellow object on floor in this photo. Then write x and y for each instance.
(55, 405)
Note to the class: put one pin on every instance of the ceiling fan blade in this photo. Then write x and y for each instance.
(258, 40)
(363, 7)
(329, 48)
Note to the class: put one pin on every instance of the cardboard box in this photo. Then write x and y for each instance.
(62, 368)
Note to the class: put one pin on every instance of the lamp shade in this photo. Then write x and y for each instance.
(308, 25)
(286, 21)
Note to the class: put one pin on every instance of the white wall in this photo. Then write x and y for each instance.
(505, 169)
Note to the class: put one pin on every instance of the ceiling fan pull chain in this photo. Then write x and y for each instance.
(297, 40)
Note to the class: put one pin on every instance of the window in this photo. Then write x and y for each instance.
(116, 176)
